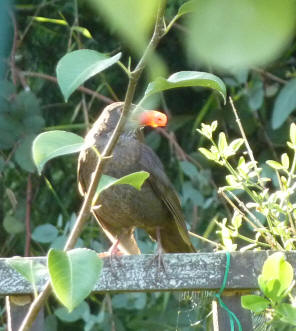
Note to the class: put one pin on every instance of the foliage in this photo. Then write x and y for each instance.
(31, 104)
(276, 283)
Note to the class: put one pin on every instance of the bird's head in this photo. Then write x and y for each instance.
(138, 119)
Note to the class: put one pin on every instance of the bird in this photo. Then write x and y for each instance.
(122, 208)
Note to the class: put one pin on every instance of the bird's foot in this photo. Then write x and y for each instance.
(158, 259)
(113, 253)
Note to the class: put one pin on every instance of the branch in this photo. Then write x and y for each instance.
(81, 88)
(86, 206)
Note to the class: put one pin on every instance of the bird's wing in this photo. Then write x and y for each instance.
(162, 187)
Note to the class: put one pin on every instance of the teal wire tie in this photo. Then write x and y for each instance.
(232, 316)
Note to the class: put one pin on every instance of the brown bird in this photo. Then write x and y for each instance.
(155, 208)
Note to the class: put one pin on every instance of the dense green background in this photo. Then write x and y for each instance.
(30, 104)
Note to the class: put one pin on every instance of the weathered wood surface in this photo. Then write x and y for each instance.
(200, 271)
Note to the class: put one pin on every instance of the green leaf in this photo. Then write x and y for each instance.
(13, 225)
(189, 169)
(135, 179)
(45, 233)
(277, 268)
(185, 79)
(33, 272)
(284, 104)
(78, 313)
(285, 161)
(209, 155)
(84, 31)
(222, 143)
(293, 133)
(76, 67)
(51, 144)
(226, 33)
(186, 8)
(274, 164)
(287, 313)
(130, 19)
(236, 144)
(23, 154)
(49, 20)
(73, 274)
(255, 303)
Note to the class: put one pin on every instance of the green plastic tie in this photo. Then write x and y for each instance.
(232, 316)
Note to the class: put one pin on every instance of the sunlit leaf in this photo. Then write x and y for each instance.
(51, 144)
(76, 67)
(254, 303)
(84, 31)
(186, 8)
(135, 179)
(276, 267)
(73, 274)
(185, 79)
(49, 20)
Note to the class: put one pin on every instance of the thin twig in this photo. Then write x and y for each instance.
(86, 206)
(271, 76)
(205, 239)
(81, 88)
(28, 215)
(13, 50)
(250, 152)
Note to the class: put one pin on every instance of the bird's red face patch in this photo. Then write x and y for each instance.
(153, 118)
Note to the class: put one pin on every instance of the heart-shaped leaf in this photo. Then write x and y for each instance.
(51, 144)
(185, 79)
(73, 274)
(76, 67)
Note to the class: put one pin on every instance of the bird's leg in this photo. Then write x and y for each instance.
(112, 251)
(159, 253)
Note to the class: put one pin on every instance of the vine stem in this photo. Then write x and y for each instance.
(86, 206)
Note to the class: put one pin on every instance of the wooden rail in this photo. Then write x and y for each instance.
(140, 273)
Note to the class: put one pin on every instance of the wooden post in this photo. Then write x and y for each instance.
(184, 272)
(221, 320)
(16, 308)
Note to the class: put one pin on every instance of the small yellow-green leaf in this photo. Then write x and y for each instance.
(274, 164)
(51, 144)
(186, 8)
(222, 143)
(49, 20)
(209, 155)
(73, 274)
(236, 144)
(293, 133)
(285, 161)
(84, 31)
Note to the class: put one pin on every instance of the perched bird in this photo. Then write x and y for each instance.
(156, 207)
